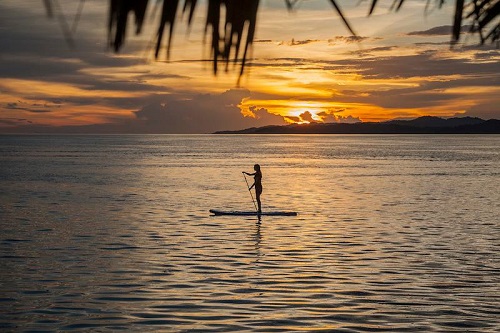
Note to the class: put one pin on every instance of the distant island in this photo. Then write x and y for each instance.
(421, 125)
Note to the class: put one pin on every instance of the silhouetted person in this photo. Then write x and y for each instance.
(257, 183)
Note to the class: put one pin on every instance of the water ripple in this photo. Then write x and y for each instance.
(387, 239)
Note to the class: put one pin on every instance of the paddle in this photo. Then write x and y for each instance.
(248, 186)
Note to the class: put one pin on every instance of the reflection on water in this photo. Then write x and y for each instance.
(394, 233)
(258, 238)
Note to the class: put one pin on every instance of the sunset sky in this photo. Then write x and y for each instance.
(304, 66)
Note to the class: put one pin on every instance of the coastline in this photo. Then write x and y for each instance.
(422, 125)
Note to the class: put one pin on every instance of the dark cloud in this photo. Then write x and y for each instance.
(332, 116)
(436, 31)
(489, 55)
(26, 32)
(434, 74)
(382, 49)
(421, 65)
(179, 113)
(294, 42)
(70, 71)
(443, 30)
(415, 97)
(332, 41)
(346, 39)
(38, 110)
(33, 107)
(428, 44)
(14, 121)
(263, 116)
(485, 109)
(371, 51)
(293, 119)
(203, 113)
(307, 116)
(33, 48)
(35, 67)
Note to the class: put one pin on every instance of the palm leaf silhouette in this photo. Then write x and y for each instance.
(241, 17)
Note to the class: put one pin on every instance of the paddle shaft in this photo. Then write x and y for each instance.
(248, 187)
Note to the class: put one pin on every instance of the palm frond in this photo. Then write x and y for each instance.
(191, 4)
(168, 16)
(372, 7)
(344, 19)
(241, 17)
(482, 13)
(457, 21)
(118, 16)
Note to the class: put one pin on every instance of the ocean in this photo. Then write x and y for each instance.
(394, 233)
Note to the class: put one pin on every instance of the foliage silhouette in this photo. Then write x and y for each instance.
(240, 19)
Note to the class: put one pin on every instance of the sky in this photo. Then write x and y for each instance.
(304, 66)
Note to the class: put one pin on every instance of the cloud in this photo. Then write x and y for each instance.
(437, 81)
(180, 113)
(429, 81)
(389, 77)
(263, 116)
(371, 51)
(331, 117)
(420, 65)
(33, 48)
(489, 55)
(484, 109)
(14, 121)
(437, 31)
(332, 41)
(346, 39)
(33, 107)
(203, 113)
(74, 72)
(292, 119)
(307, 116)
(294, 42)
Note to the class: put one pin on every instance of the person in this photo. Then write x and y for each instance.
(257, 183)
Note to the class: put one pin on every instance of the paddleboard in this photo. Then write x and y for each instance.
(251, 213)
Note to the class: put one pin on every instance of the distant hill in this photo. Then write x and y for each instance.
(429, 121)
(422, 125)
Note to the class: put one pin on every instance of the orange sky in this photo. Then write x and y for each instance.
(302, 65)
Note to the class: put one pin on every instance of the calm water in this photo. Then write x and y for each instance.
(107, 233)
